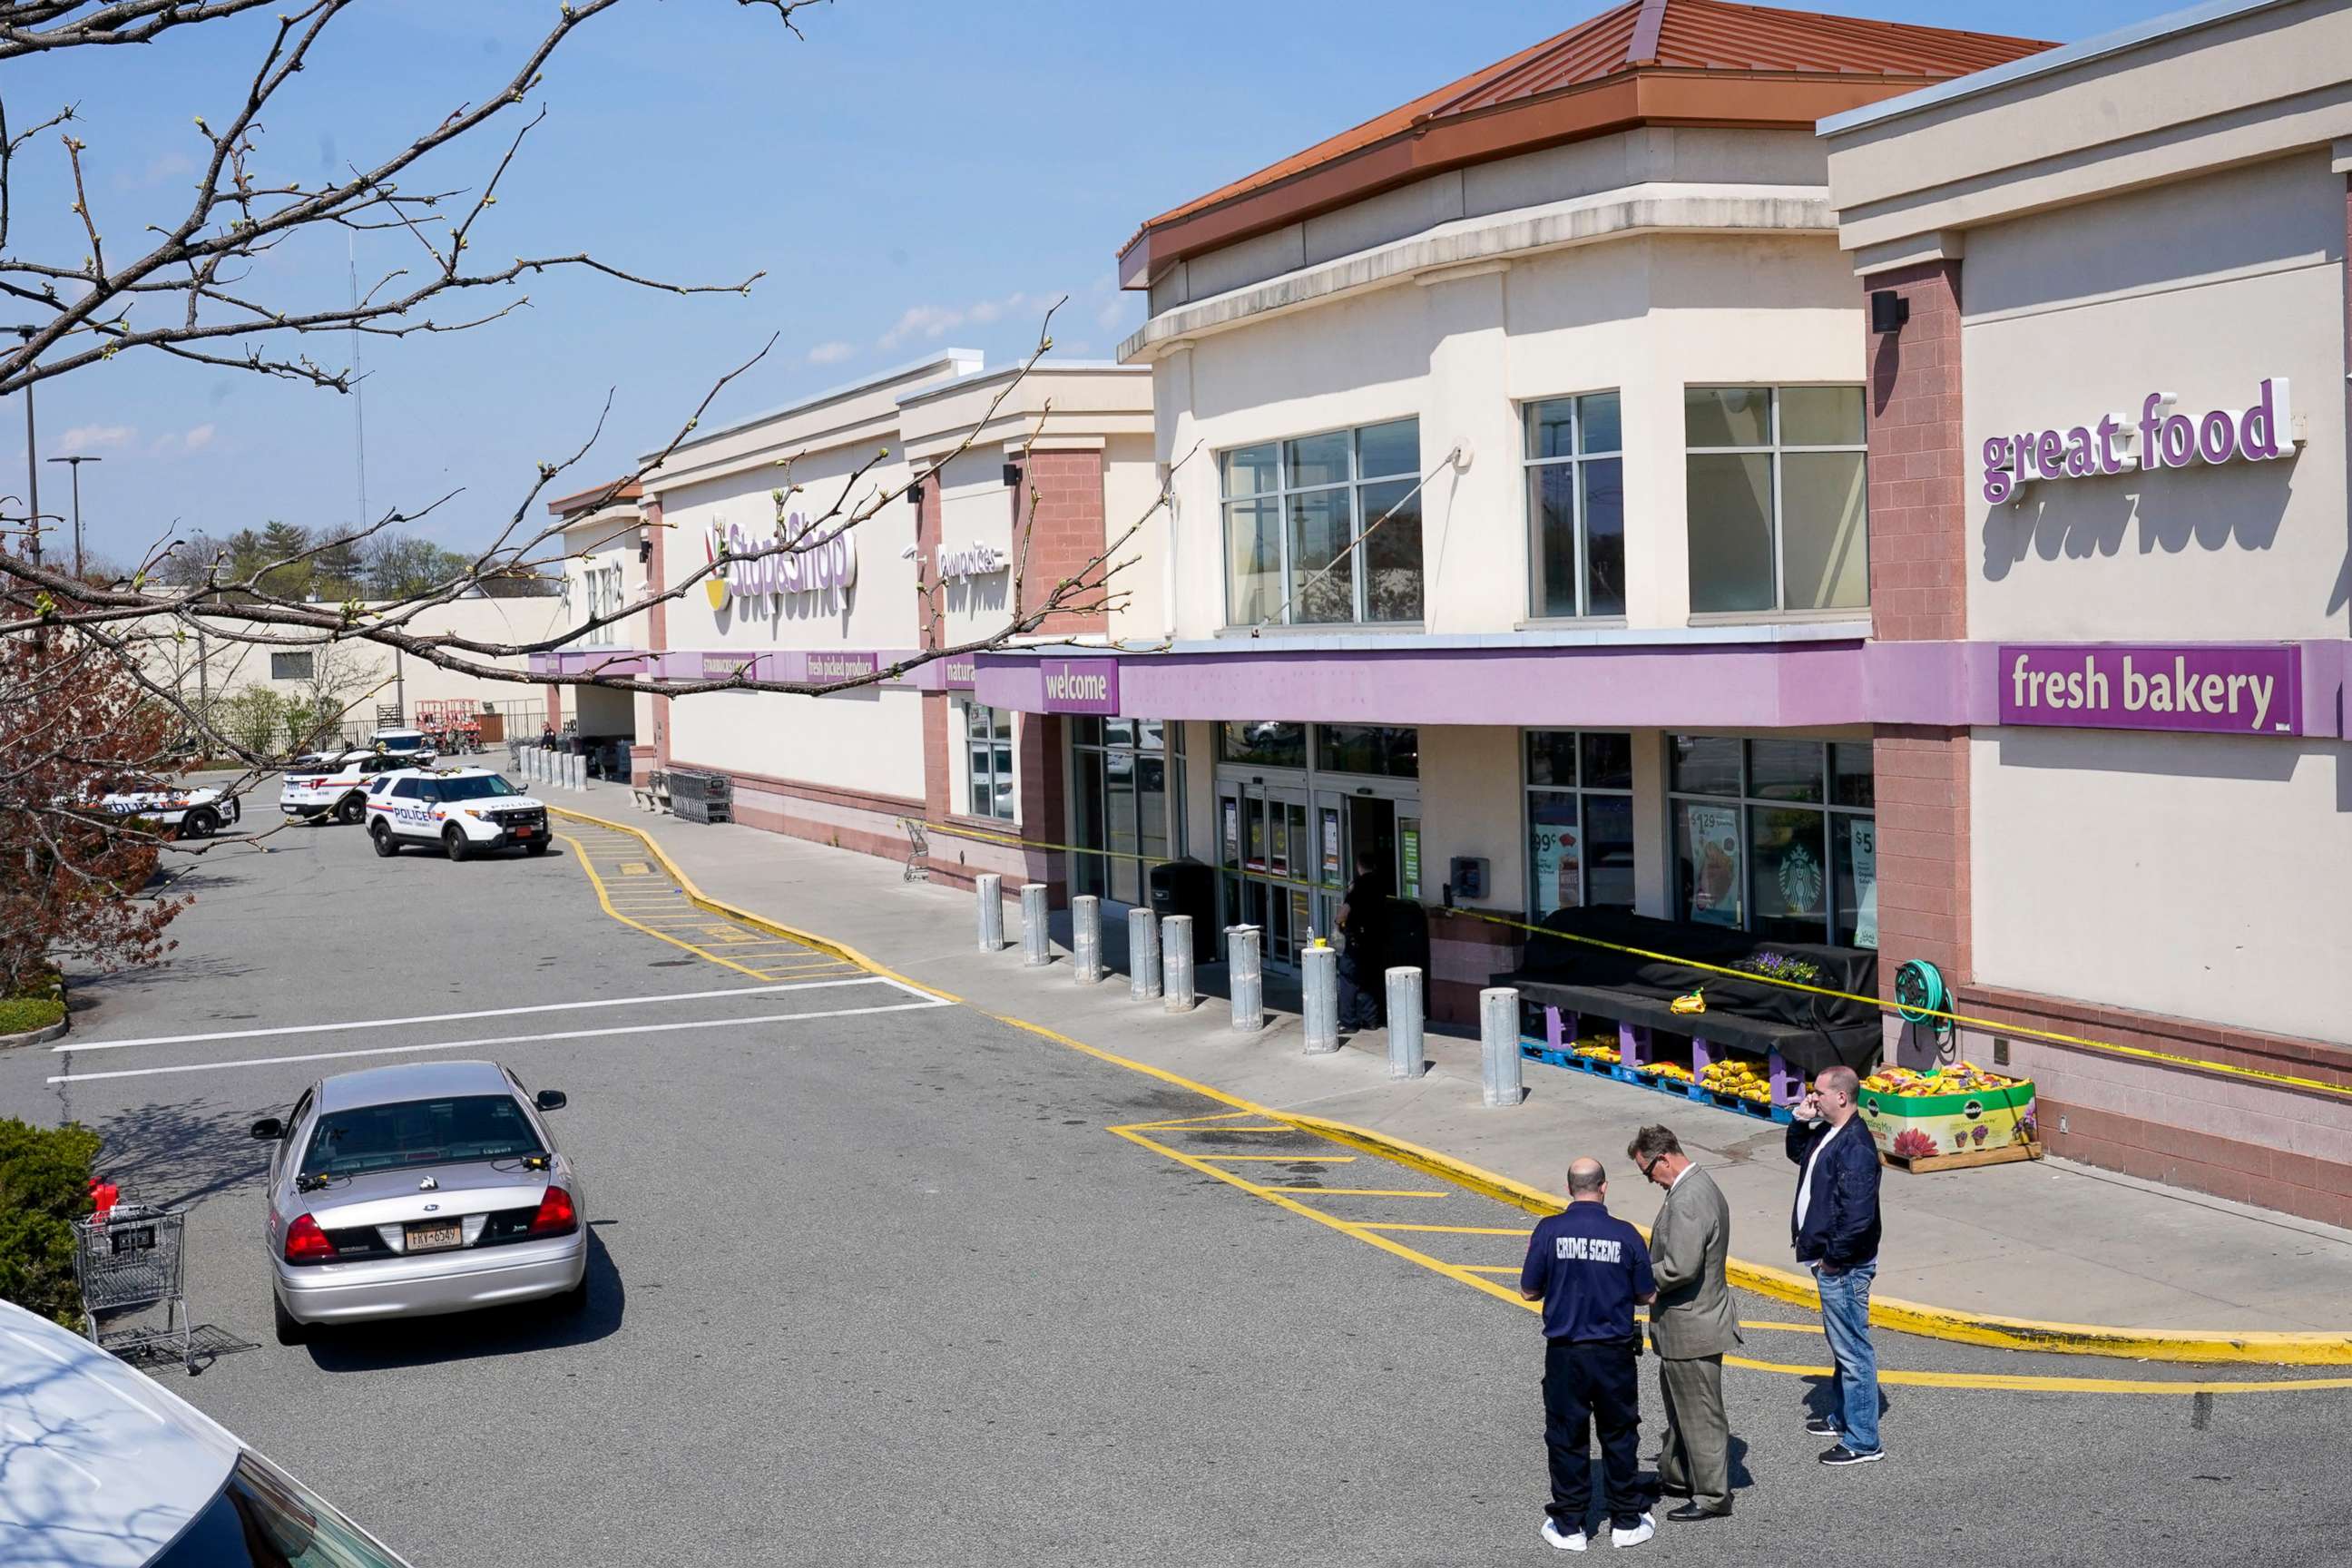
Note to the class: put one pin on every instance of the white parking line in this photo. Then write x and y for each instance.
(505, 1040)
(455, 1017)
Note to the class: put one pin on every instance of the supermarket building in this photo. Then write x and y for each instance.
(1549, 519)
(2111, 434)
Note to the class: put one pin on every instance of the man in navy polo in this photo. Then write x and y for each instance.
(1590, 1269)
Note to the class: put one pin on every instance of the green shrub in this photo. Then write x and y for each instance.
(23, 1015)
(43, 1188)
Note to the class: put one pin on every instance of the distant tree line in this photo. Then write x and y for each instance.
(298, 562)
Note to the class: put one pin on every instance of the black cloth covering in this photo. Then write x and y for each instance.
(1810, 1031)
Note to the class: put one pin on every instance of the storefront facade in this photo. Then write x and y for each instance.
(932, 569)
(2107, 446)
(1518, 449)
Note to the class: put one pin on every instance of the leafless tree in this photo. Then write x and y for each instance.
(190, 289)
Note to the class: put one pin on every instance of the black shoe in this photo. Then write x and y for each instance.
(1842, 1455)
(1691, 1514)
(1820, 1427)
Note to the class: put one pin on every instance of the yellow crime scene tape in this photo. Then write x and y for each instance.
(2024, 1031)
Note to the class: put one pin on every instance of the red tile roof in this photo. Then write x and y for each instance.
(1808, 64)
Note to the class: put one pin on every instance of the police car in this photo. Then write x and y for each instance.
(465, 811)
(188, 812)
(411, 746)
(334, 785)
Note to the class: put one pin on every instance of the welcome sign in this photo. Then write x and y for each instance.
(1081, 686)
(2222, 689)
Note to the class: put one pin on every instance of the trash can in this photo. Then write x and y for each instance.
(1189, 886)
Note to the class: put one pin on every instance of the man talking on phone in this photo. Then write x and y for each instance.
(1835, 1226)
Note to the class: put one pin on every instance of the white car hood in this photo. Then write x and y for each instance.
(104, 1468)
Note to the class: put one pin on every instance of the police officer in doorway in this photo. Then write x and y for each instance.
(1589, 1268)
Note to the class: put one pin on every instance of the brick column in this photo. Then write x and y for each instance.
(1919, 591)
(1044, 801)
(1060, 539)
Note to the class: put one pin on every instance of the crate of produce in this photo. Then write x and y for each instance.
(1951, 1117)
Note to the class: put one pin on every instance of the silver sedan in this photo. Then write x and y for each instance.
(428, 1188)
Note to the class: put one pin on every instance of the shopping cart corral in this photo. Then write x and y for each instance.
(130, 1259)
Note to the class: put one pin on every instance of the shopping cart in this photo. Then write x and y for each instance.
(131, 1257)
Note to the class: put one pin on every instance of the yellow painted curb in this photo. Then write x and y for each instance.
(2259, 1348)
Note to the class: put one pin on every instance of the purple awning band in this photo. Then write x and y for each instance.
(1770, 686)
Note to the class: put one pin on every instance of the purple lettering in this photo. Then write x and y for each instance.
(2217, 437)
(2179, 436)
(2259, 439)
(2080, 463)
(2108, 462)
(2050, 454)
(1997, 482)
(2150, 455)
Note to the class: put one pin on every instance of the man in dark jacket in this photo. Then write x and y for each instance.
(1363, 960)
(1835, 1226)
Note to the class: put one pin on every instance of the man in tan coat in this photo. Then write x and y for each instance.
(1691, 1325)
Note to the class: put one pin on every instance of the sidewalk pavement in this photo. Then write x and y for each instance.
(2049, 1240)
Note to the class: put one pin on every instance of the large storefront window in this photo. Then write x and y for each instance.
(988, 759)
(1125, 799)
(1778, 515)
(1576, 506)
(1579, 820)
(1305, 542)
(1779, 837)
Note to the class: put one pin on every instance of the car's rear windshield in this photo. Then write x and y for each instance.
(476, 788)
(419, 1133)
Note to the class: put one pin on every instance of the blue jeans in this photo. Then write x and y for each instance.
(1854, 1378)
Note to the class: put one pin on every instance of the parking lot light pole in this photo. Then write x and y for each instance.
(76, 461)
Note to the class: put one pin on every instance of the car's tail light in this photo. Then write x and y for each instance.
(556, 1216)
(306, 1243)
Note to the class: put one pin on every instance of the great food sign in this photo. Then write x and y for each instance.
(807, 562)
(2156, 438)
(2213, 687)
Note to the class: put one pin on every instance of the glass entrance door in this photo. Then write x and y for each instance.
(1268, 856)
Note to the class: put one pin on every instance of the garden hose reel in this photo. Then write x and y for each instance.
(1919, 995)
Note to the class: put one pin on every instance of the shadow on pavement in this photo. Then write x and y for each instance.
(176, 1156)
(465, 1336)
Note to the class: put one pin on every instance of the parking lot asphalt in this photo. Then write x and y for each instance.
(879, 1280)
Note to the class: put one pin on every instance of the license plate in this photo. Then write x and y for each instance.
(139, 1240)
(436, 1236)
(524, 832)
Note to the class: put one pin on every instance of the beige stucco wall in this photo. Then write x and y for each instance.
(870, 740)
(1646, 315)
(2082, 311)
(2200, 877)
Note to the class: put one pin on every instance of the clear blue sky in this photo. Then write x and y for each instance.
(913, 175)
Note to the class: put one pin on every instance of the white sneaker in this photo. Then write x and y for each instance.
(1635, 1536)
(1567, 1541)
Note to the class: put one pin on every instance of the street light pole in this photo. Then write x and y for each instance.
(77, 461)
(32, 475)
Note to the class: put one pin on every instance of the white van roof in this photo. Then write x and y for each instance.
(104, 1468)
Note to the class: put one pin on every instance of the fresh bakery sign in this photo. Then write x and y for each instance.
(2228, 688)
(2156, 438)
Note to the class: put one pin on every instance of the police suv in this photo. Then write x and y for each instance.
(465, 811)
(334, 785)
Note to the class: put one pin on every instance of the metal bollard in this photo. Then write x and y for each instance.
(1176, 963)
(1318, 968)
(1142, 954)
(1086, 938)
(988, 889)
(1245, 969)
(1037, 940)
(1404, 1024)
(1498, 1043)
